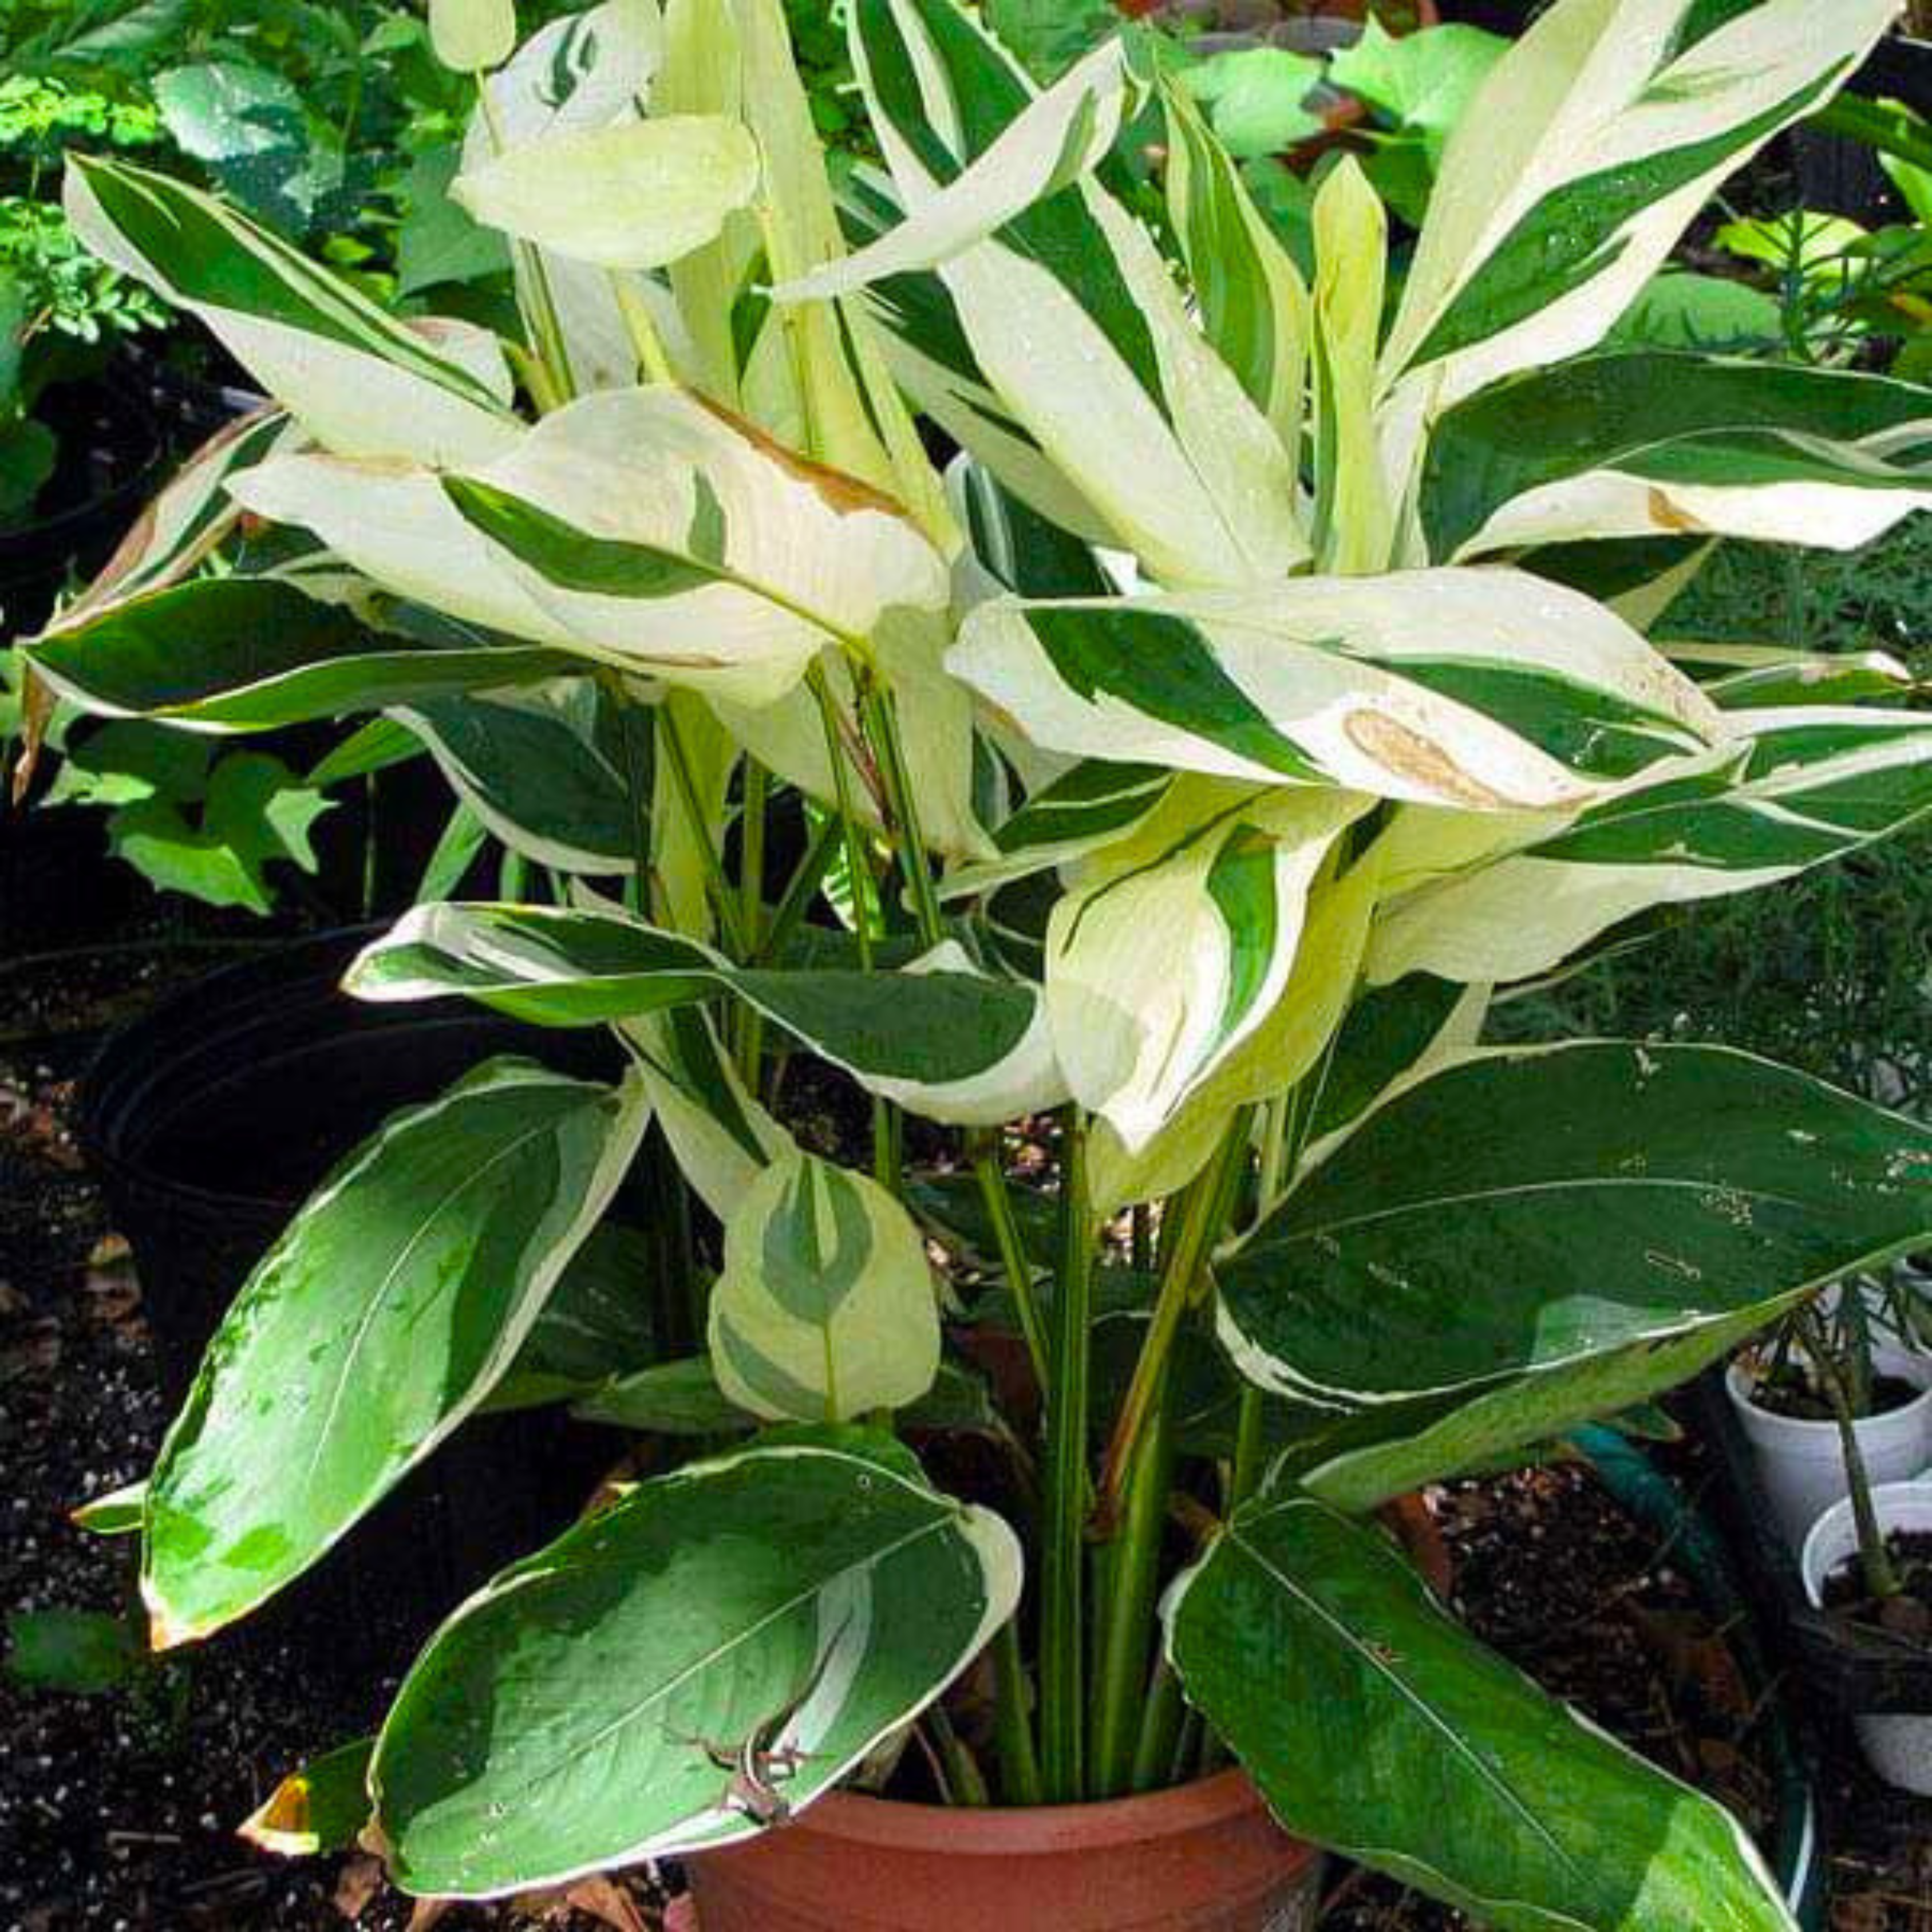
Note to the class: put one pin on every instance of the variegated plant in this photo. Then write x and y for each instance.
(1260, 685)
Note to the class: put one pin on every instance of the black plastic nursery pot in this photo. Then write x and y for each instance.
(1840, 1673)
(111, 455)
(208, 1121)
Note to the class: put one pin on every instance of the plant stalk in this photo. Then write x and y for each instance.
(1063, 1628)
(1013, 1718)
(1882, 1580)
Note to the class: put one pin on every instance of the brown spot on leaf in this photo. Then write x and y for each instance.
(1407, 753)
(1668, 516)
(845, 494)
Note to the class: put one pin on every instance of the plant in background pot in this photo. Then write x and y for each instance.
(1868, 1559)
(1844, 1377)
(1138, 817)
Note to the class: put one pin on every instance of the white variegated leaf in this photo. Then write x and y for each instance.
(825, 1309)
(1488, 689)
(1799, 785)
(362, 382)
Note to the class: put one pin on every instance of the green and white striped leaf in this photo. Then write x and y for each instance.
(1254, 305)
(1221, 877)
(720, 1138)
(1800, 785)
(542, 767)
(1745, 676)
(826, 1308)
(939, 1037)
(925, 348)
(1057, 138)
(814, 1595)
(1091, 806)
(1488, 689)
(382, 1317)
(249, 654)
(1074, 324)
(1531, 1238)
(1639, 444)
(190, 518)
(586, 70)
(635, 194)
(641, 527)
(1591, 144)
(1374, 1723)
(1354, 526)
(362, 382)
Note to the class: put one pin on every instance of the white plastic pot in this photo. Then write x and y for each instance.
(1899, 1745)
(1803, 1464)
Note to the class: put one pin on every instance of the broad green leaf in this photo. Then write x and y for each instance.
(1806, 242)
(1058, 137)
(1681, 309)
(249, 654)
(542, 767)
(437, 243)
(382, 1317)
(1593, 143)
(939, 1037)
(1422, 83)
(82, 1653)
(1223, 876)
(635, 194)
(322, 1807)
(826, 1308)
(815, 1595)
(1261, 100)
(1531, 1238)
(362, 382)
(1375, 1724)
(680, 1398)
(1647, 441)
(1798, 785)
(599, 1321)
(1074, 323)
(641, 527)
(1488, 689)
(469, 35)
(251, 128)
(1254, 305)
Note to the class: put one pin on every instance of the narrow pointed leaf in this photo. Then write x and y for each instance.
(1529, 1239)
(322, 1807)
(1487, 689)
(383, 1315)
(360, 382)
(638, 526)
(1803, 786)
(1589, 148)
(249, 654)
(818, 1594)
(1649, 443)
(1375, 1724)
(949, 1042)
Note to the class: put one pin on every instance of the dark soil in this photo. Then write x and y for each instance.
(1796, 1396)
(1908, 1614)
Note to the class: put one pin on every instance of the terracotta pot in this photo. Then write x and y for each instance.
(1205, 1858)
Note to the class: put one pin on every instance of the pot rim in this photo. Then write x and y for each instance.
(1006, 1831)
(1909, 1364)
(1890, 1501)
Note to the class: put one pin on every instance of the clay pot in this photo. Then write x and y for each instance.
(1205, 1858)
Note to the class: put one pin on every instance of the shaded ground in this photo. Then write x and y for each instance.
(118, 1811)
